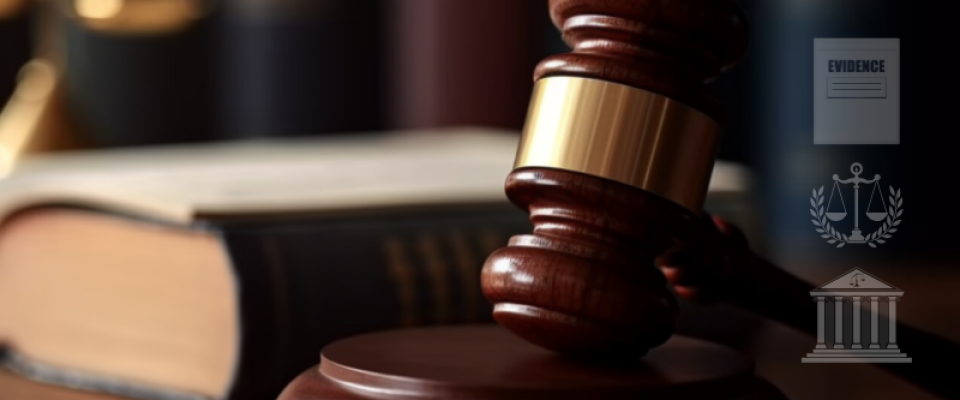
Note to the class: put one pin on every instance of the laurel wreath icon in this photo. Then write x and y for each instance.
(894, 212)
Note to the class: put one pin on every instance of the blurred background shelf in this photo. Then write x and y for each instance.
(93, 75)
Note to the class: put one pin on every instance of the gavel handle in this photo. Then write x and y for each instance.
(755, 284)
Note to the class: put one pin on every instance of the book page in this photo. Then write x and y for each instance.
(182, 183)
(296, 175)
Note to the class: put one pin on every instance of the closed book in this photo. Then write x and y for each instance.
(218, 271)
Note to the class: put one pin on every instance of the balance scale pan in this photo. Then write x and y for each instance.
(877, 216)
(837, 216)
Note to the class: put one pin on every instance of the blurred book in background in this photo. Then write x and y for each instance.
(295, 68)
(462, 62)
(139, 72)
(220, 270)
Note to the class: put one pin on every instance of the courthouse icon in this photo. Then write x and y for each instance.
(860, 290)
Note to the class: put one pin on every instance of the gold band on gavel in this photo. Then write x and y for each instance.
(621, 133)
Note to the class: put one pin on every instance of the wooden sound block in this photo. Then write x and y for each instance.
(487, 362)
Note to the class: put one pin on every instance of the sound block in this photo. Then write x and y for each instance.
(487, 362)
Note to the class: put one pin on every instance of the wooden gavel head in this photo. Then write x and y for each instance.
(613, 168)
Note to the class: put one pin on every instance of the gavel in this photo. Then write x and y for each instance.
(613, 169)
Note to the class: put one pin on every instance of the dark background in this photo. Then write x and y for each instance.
(292, 69)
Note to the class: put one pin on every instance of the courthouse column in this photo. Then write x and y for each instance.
(856, 323)
(874, 325)
(821, 343)
(838, 335)
(893, 322)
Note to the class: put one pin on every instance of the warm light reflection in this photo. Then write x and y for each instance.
(621, 133)
(23, 113)
(139, 16)
(522, 277)
(10, 8)
(505, 266)
(36, 81)
(6, 162)
(98, 9)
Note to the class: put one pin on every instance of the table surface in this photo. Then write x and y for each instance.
(929, 296)
(14, 387)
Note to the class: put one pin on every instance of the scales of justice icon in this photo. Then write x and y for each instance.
(856, 236)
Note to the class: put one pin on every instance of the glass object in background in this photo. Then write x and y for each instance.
(140, 72)
(300, 67)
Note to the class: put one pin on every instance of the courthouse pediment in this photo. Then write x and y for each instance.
(856, 281)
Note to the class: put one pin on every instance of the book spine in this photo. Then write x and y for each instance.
(293, 68)
(462, 62)
(132, 89)
(304, 285)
